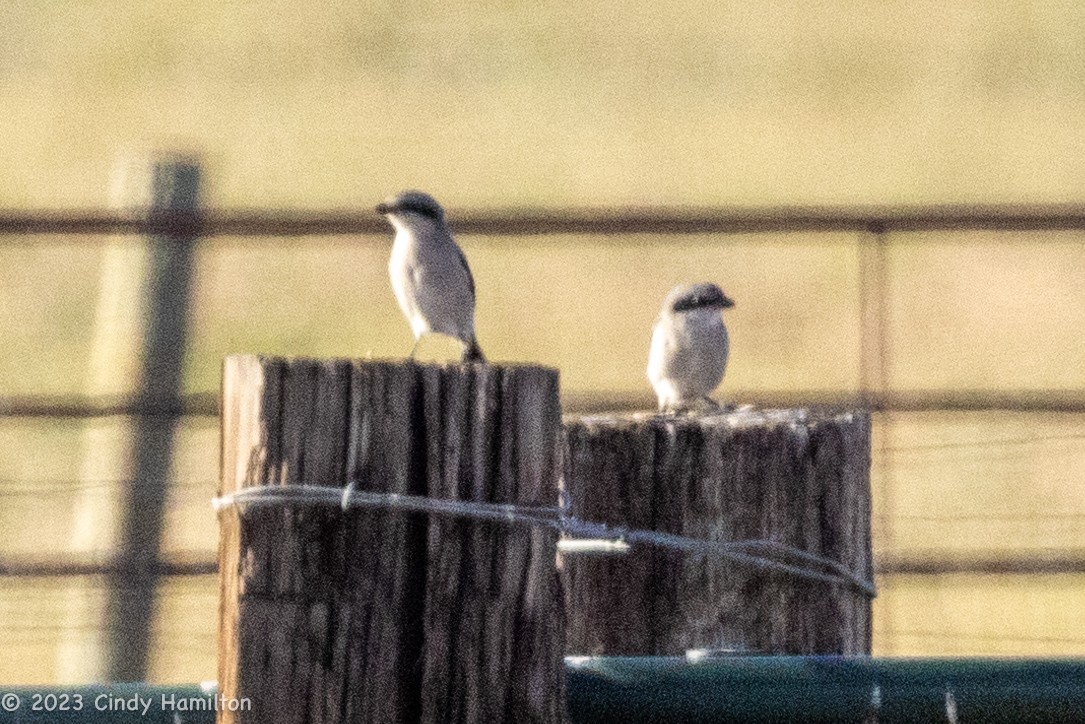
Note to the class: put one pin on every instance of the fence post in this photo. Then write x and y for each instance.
(790, 476)
(139, 347)
(133, 584)
(379, 615)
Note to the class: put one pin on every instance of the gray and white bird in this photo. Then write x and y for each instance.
(429, 272)
(689, 348)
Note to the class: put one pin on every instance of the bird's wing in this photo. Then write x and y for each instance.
(463, 261)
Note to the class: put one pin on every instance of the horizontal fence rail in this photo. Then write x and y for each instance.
(997, 563)
(577, 220)
(872, 222)
(923, 563)
(198, 404)
(206, 404)
(76, 564)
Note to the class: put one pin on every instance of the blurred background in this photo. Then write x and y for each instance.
(961, 328)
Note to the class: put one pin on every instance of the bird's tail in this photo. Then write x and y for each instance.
(472, 352)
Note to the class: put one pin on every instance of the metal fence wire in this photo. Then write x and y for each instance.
(876, 228)
(872, 225)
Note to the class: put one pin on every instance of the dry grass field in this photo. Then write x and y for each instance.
(552, 105)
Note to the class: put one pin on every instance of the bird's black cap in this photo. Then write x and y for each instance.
(418, 202)
(698, 296)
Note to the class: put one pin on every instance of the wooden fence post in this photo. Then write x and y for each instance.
(139, 344)
(378, 615)
(790, 476)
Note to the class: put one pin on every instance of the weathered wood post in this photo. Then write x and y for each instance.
(376, 614)
(792, 477)
(139, 344)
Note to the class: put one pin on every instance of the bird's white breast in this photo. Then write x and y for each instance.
(688, 355)
(430, 280)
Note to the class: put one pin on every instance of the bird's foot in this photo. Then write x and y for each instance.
(677, 409)
(721, 408)
(699, 406)
(472, 352)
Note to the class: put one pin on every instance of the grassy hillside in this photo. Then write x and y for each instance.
(338, 104)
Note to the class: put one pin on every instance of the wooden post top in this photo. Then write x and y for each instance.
(734, 418)
(257, 358)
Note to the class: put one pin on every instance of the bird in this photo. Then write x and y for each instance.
(688, 353)
(430, 277)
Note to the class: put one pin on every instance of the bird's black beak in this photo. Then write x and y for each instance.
(383, 208)
(726, 303)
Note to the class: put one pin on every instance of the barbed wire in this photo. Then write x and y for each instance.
(554, 518)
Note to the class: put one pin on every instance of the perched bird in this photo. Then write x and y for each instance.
(429, 272)
(689, 347)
